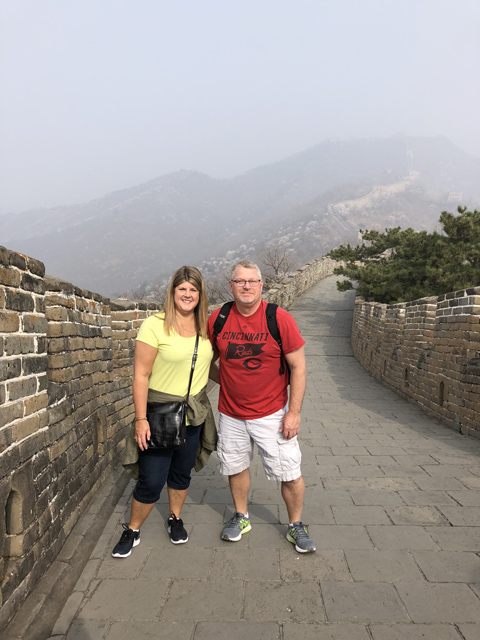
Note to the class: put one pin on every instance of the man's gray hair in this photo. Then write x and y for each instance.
(245, 264)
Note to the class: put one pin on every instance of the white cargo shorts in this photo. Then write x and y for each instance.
(281, 458)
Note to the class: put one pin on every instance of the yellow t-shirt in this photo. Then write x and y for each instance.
(171, 368)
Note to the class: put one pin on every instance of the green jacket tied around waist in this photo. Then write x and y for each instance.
(199, 410)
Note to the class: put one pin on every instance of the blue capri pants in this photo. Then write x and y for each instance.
(173, 466)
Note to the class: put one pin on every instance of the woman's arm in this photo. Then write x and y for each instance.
(143, 362)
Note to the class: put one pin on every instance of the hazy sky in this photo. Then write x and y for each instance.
(101, 95)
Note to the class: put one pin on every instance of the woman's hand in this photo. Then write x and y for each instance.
(142, 433)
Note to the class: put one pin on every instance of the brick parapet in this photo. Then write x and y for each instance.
(290, 289)
(428, 350)
(65, 409)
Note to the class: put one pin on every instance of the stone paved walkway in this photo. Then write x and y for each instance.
(393, 503)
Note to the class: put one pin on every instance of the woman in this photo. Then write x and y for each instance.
(163, 359)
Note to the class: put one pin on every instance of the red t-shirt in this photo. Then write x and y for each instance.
(250, 382)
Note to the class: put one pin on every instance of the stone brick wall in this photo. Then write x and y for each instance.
(428, 350)
(23, 414)
(300, 281)
(66, 363)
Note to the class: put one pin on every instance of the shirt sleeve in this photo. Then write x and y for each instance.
(148, 332)
(289, 331)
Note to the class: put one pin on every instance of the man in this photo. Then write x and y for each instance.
(254, 405)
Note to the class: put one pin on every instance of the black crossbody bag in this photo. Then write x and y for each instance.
(167, 420)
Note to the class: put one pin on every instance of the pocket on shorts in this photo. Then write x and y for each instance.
(289, 454)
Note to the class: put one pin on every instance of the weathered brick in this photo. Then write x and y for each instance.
(24, 428)
(56, 392)
(60, 375)
(14, 345)
(42, 382)
(9, 322)
(36, 267)
(44, 520)
(55, 284)
(10, 461)
(60, 411)
(57, 329)
(74, 344)
(89, 306)
(11, 368)
(57, 300)
(32, 445)
(62, 360)
(57, 345)
(21, 388)
(34, 324)
(17, 572)
(36, 403)
(57, 314)
(35, 364)
(40, 305)
(12, 258)
(31, 283)
(5, 438)
(40, 462)
(9, 277)
(19, 301)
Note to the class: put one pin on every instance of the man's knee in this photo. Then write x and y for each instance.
(292, 483)
(240, 474)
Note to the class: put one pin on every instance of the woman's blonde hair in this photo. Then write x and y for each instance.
(192, 275)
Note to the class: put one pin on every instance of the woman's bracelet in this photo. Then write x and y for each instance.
(137, 419)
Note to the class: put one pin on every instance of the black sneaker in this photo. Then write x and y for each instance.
(128, 540)
(178, 534)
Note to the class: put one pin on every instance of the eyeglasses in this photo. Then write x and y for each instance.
(242, 283)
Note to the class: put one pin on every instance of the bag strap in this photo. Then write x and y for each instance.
(194, 360)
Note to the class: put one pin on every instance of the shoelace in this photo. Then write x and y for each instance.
(127, 533)
(176, 522)
(301, 531)
(237, 518)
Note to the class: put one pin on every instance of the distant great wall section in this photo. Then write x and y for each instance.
(427, 350)
(65, 407)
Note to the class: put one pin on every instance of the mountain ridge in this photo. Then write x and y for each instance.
(144, 232)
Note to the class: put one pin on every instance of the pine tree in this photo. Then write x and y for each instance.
(402, 265)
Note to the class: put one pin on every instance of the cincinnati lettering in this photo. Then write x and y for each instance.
(240, 335)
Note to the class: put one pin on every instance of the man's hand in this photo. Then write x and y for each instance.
(290, 425)
(298, 379)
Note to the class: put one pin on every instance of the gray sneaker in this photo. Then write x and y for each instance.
(236, 527)
(298, 535)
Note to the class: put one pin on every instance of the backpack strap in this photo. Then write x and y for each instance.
(220, 321)
(271, 315)
(272, 326)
